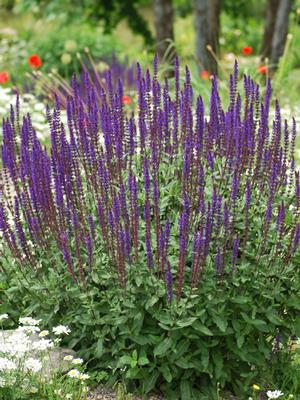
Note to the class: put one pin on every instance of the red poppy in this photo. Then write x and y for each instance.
(262, 69)
(247, 50)
(204, 74)
(35, 61)
(4, 77)
(126, 100)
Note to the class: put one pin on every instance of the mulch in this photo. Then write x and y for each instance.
(104, 393)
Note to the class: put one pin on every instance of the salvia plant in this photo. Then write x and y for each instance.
(103, 182)
(204, 201)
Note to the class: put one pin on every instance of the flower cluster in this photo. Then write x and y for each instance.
(220, 188)
(23, 357)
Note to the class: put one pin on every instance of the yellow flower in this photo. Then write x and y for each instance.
(43, 333)
(68, 358)
(77, 361)
(74, 373)
(255, 387)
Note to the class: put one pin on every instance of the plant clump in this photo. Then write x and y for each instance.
(194, 210)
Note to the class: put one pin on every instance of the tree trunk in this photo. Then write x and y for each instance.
(207, 27)
(271, 12)
(280, 31)
(215, 10)
(163, 16)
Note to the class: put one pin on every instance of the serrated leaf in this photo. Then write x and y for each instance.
(162, 347)
(221, 323)
(202, 328)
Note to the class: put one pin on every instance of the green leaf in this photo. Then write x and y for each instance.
(162, 347)
(221, 323)
(218, 361)
(185, 389)
(205, 357)
(202, 328)
(150, 383)
(99, 348)
(273, 317)
(132, 372)
(133, 363)
(143, 361)
(240, 341)
(239, 300)
(165, 370)
(186, 322)
(294, 302)
(184, 363)
(125, 360)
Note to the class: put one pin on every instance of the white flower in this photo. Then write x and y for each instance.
(69, 396)
(44, 333)
(74, 373)
(61, 330)
(39, 107)
(77, 361)
(68, 358)
(42, 345)
(32, 365)
(84, 377)
(7, 365)
(29, 321)
(33, 389)
(3, 317)
(275, 394)
(16, 345)
(29, 329)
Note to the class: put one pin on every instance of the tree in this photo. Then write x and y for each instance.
(276, 29)
(163, 17)
(271, 11)
(207, 27)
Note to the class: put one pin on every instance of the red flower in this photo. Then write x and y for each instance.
(126, 100)
(204, 74)
(262, 69)
(34, 61)
(4, 77)
(247, 50)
